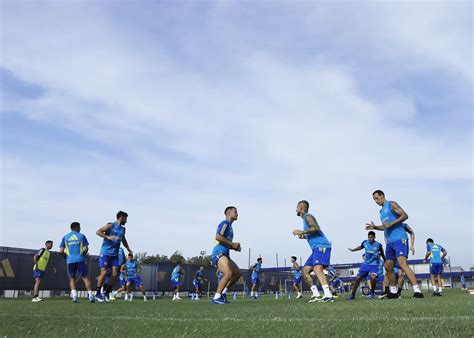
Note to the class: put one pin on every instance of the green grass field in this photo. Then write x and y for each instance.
(450, 315)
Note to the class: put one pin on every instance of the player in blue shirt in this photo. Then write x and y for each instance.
(296, 271)
(113, 235)
(462, 279)
(177, 276)
(373, 250)
(256, 268)
(74, 246)
(320, 256)
(122, 277)
(335, 283)
(220, 256)
(436, 254)
(392, 217)
(132, 268)
(198, 279)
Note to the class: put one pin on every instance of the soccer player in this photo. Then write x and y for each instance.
(373, 250)
(256, 268)
(296, 270)
(335, 283)
(133, 269)
(462, 279)
(75, 246)
(40, 260)
(177, 279)
(113, 234)
(122, 277)
(433, 252)
(220, 256)
(198, 278)
(321, 252)
(392, 217)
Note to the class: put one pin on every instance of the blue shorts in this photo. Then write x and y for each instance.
(320, 256)
(108, 261)
(176, 282)
(396, 249)
(436, 268)
(215, 257)
(196, 284)
(366, 269)
(297, 281)
(122, 282)
(255, 281)
(135, 280)
(77, 269)
(38, 274)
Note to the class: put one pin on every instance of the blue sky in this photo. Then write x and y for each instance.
(173, 110)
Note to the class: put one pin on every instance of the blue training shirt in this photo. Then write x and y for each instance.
(316, 239)
(395, 232)
(296, 272)
(132, 268)
(371, 252)
(176, 274)
(111, 248)
(381, 265)
(225, 229)
(435, 253)
(198, 275)
(256, 270)
(121, 256)
(73, 244)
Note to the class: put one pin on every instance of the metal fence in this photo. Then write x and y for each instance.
(16, 273)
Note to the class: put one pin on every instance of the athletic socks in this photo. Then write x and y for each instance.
(73, 294)
(327, 291)
(435, 288)
(89, 293)
(440, 289)
(224, 291)
(386, 290)
(416, 288)
(217, 295)
(393, 289)
(315, 291)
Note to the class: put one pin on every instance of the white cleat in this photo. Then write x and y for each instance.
(36, 300)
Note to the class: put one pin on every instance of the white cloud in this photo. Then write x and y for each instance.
(277, 132)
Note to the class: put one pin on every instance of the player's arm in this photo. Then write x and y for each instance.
(139, 269)
(428, 253)
(372, 226)
(224, 241)
(125, 244)
(313, 227)
(101, 232)
(62, 246)
(382, 253)
(410, 231)
(360, 247)
(123, 268)
(445, 252)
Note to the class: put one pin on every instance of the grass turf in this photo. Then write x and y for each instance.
(450, 315)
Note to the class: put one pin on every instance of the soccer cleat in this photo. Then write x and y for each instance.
(299, 297)
(434, 294)
(144, 299)
(335, 296)
(417, 295)
(74, 299)
(440, 294)
(36, 300)
(100, 298)
(351, 297)
(383, 296)
(91, 300)
(326, 300)
(219, 301)
(393, 295)
(314, 299)
(224, 296)
(372, 296)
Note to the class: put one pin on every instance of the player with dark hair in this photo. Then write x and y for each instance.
(256, 269)
(75, 246)
(132, 268)
(433, 252)
(321, 252)
(392, 217)
(177, 276)
(198, 279)
(220, 255)
(296, 270)
(113, 234)
(40, 260)
(373, 250)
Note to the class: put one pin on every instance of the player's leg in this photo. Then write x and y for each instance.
(323, 280)
(373, 284)
(104, 262)
(113, 277)
(440, 285)
(355, 287)
(401, 280)
(402, 262)
(306, 273)
(236, 273)
(72, 270)
(38, 276)
(322, 259)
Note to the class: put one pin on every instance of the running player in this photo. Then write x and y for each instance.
(220, 256)
(373, 250)
(122, 277)
(133, 270)
(321, 252)
(113, 234)
(296, 270)
(177, 276)
(40, 260)
(75, 246)
(198, 278)
(433, 252)
(256, 268)
(392, 217)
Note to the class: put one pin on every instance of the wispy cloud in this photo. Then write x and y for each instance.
(173, 112)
